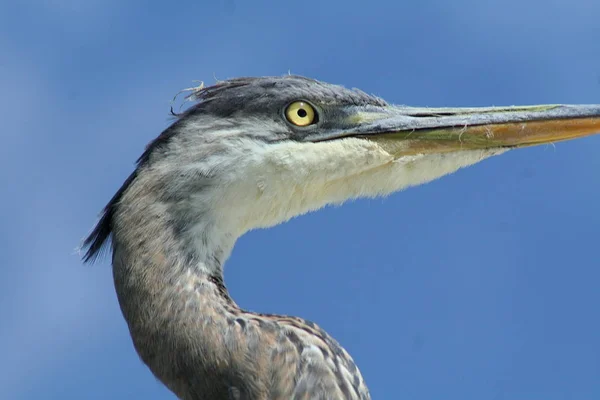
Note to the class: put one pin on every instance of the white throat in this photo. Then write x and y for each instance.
(268, 184)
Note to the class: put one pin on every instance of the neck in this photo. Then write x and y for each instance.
(169, 281)
(162, 247)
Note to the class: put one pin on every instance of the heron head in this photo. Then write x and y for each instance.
(254, 152)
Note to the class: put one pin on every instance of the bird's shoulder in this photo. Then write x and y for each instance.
(323, 365)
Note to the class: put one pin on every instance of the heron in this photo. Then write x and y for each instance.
(252, 153)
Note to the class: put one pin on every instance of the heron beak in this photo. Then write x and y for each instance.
(409, 130)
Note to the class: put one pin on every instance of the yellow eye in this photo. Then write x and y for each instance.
(300, 113)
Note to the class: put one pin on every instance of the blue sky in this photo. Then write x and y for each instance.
(482, 285)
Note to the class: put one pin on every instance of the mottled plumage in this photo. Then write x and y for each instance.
(235, 161)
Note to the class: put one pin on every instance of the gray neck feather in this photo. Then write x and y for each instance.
(160, 233)
(167, 266)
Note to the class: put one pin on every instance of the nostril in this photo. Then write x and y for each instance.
(430, 115)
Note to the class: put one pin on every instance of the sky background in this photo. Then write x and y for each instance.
(481, 285)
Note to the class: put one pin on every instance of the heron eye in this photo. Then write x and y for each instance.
(300, 113)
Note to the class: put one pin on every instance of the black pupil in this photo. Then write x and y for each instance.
(302, 113)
